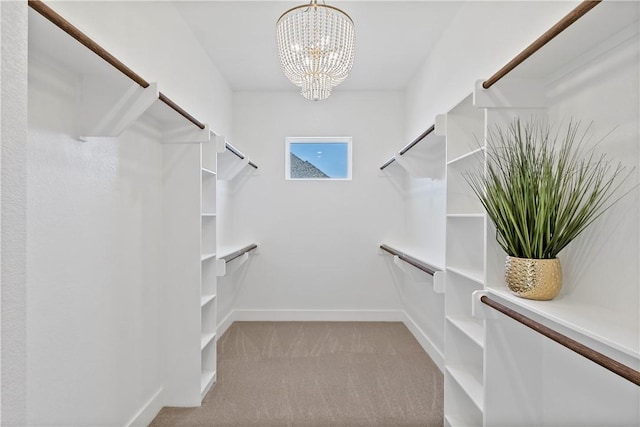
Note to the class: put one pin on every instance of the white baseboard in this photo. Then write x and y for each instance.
(309, 316)
(436, 354)
(312, 316)
(337, 316)
(148, 411)
(224, 325)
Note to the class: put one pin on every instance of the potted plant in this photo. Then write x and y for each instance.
(542, 189)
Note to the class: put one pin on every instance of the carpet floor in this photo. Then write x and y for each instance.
(318, 374)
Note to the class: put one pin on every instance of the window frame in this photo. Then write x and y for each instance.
(318, 140)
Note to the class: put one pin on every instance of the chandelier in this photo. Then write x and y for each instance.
(316, 46)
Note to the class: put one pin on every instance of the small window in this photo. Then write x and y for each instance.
(318, 158)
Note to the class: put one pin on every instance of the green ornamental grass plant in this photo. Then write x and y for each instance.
(541, 188)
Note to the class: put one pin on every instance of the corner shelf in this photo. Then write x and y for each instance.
(206, 339)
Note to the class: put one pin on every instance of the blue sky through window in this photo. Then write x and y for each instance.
(332, 158)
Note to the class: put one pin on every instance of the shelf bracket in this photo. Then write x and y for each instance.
(221, 267)
(439, 282)
(480, 310)
(104, 113)
(221, 144)
(225, 268)
(441, 125)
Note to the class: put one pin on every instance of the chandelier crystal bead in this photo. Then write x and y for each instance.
(316, 43)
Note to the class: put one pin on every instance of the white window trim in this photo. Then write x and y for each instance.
(315, 140)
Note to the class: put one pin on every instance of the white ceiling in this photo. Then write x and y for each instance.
(393, 38)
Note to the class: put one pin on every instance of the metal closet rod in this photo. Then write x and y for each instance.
(559, 27)
(606, 362)
(239, 253)
(74, 32)
(410, 260)
(409, 146)
(239, 154)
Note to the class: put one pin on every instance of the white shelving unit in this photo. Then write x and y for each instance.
(465, 270)
(208, 274)
(499, 372)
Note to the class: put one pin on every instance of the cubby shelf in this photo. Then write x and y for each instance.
(206, 257)
(208, 172)
(471, 386)
(475, 276)
(466, 215)
(207, 378)
(465, 157)
(205, 299)
(470, 327)
(206, 339)
(457, 421)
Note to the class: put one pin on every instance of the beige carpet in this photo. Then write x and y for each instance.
(318, 374)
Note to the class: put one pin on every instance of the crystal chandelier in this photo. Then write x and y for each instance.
(316, 43)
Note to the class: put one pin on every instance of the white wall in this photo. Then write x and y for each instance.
(482, 37)
(95, 247)
(318, 240)
(13, 133)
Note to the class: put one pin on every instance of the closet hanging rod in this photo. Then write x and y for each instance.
(239, 253)
(235, 151)
(587, 352)
(180, 110)
(560, 26)
(70, 29)
(410, 260)
(409, 146)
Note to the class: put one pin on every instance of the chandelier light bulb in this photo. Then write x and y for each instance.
(316, 43)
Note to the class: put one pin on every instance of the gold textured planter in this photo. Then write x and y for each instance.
(538, 279)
